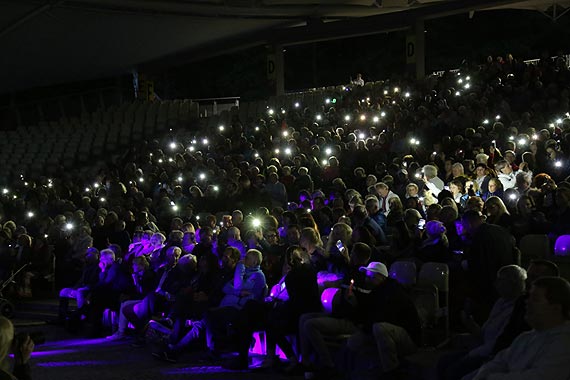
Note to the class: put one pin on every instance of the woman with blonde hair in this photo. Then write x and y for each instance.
(22, 352)
(497, 212)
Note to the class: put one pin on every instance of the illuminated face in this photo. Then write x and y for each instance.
(492, 186)
(480, 171)
(454, 189)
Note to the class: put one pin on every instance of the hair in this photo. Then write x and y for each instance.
(552, 268)
(235, 254)
(516, 277)
(312, 236)
(297, 256)
(142, 261)
(256, 255)
(500, 165)
(6, 337)
(557, 291)
(107, 253)
(430, 171)
(475, 203)
(496, 201)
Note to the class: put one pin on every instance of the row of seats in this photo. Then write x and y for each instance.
(42, 149)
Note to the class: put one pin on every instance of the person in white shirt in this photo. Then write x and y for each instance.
(506, 174)
(544, 352)
(432, 181)
(358, 81)
(384, 195)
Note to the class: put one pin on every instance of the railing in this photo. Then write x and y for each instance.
(528, 62)
(213, 106)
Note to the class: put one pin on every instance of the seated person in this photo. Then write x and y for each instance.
(89, 278)
(543, 352)
(248, 284)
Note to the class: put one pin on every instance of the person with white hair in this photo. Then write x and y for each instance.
(432, 181)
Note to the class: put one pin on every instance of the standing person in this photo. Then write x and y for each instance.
(358, 81)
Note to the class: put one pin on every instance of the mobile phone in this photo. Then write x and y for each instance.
(421, 224)
(340, 246)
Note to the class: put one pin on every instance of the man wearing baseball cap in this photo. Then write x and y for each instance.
(377, 312)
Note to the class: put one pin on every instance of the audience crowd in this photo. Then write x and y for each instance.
(209, 235)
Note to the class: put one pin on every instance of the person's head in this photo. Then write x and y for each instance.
(376, 274)
(475, 204)
(457, 170)
(293, 233)
(540, 268)
(230, 258)
(237, 217)
(510, 281)
(382, 189)
(495, 207)
(295, 257)
(481, 170)
(140, 264)
(309, 239)
(107, 258)
(233, 234)
(6, 337)
(495, 185)
(548, 304)
(503, 167)
(92, 255)
(456, 187)
(412, 190)
(360, 255)
(206, 236)
(253, 258)
(172, 255)
(157, 239)
(430, 171)
(470, 223)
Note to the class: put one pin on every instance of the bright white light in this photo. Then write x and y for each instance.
(407, 95)
(26, 184)
(283, 112)
(382, 114)
(285, 133)
(175, 208)
(327, 101)
(558, 164)
(385, 92)
(216, 188)
(297, 105)
(221, 128)
(191, 148)
(197, 217)
(193, 141)
(96, 185)
(160, 159)
(347, 118)
(361, 136)
(68, 226)
(205, 141)
(417, 175)
(468, 78)
(324, 162)
(170, 159)
(467, 85)
(460, 81)
(102, 199)
(256, 129)
(498, 117)
(417, 142)
(179, 178)
(287, 151)
(328, 151)
(412, 141)
(271, 111)
(256, 155)
(434, 153)
(558, 121)
(396, 89)
(30, 214)
(457, 93)
(50, 185)
(486, 121)
(276, 151)
(318, 117)
(512, 196)
(256, 222)
(5, 191)
(362, 117)
(86, 190)
(511, 138)
(172, 145)
(202, 176)
(375, 119)
(141, 179)
(522, 142)
(535, 137)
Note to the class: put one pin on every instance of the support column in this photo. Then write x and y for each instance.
(275, 69)
(420, 49)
